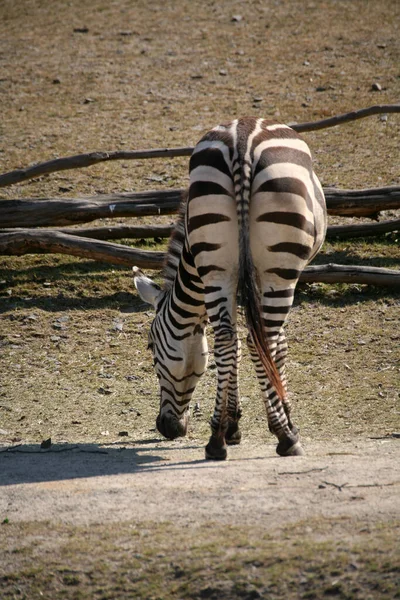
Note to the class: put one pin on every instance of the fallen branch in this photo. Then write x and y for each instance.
(79, 161)
(164, 231)
(362, 203)
(43, 241)
(38, 242)
(86, 160)
(107, 233)
(354, 115)
(55, 212)
(335, 485)
(332, 273)
(362, 229)
(44, 212)
(301, 472)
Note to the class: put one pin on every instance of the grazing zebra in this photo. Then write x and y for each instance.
(253, 218)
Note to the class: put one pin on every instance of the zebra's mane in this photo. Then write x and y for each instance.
(175, 246)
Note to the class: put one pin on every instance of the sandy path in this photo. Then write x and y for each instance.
(171, 481)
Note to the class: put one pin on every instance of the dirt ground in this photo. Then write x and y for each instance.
(109, 509)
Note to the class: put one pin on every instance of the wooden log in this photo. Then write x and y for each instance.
(362, 203)
(118, 232)
(354, 115)
(39, 242)
(45, 212)
(58, 212)
(362, 229)
(332, 273)
(78, 161)
(85, 160)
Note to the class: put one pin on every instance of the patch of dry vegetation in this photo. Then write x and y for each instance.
(136, 560)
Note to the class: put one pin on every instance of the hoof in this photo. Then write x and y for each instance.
(233, 435)
(284, 448)
(215, 450)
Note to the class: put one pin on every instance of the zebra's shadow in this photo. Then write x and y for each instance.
(29, 463)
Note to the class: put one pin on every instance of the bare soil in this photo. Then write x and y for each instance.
(109, 509)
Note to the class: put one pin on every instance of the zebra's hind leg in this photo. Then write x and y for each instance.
(278, 411)
(224, 422)
(280, 361)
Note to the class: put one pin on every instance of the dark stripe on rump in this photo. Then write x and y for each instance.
(276, 310)
(212, 157)
(204, 247)
(220, 136)
(282, 154)
(206, 219)
(279, 293)
(272, 324)
(284, 273)
(208, 269)
(288, 218)
(206, 188)
(286, 185)
(270, 134)
(210, 289)
(299, 250)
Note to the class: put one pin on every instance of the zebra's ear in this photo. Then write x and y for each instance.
(148, 290)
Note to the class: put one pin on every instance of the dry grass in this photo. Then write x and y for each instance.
(135, 560)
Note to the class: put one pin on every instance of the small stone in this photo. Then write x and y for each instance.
(104, 391)
(376, 87)
(223, 72)
(237, 18)
(46, 444)
(31, 317)
(123, 433)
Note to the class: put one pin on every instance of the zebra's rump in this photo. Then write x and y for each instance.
(253, 178)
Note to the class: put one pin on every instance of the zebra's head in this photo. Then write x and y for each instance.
(180, 357)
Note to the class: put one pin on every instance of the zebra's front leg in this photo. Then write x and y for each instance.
(224, 422)
(233, 434)
(278, 410)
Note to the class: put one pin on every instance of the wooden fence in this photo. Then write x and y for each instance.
(43, 225)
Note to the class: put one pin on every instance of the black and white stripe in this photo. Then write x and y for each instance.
(253, 218)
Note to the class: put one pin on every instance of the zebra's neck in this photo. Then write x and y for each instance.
(175, 247)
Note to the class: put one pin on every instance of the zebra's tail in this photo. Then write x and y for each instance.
(249, 294)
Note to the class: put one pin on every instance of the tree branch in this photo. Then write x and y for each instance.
(92, 158)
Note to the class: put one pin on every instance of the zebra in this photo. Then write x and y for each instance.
(253, 217)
